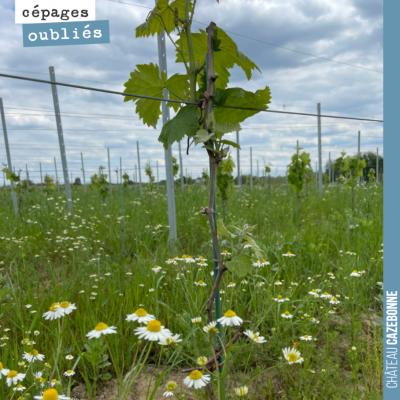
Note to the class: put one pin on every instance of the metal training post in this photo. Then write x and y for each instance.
(57, 183)
(83, 173)
(61, 139)
(319, 150)
(9, 164)
(140, 175)
(169, 172)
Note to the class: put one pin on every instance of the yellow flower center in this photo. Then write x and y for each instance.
(278, 281)
(201, 282)
(279, 296)
(230, 314)
(287, 312)
(1, 366)
(355, 271)
(201, 257)
(64, 304)
(154, 326)
(141, 312)
(231, 283)
(263, 261)
(54, 380)
(171, 386)
(292, 357)
(313, 290)
(183, 256)
(69, 371)
(54, 306)
(255, 337)
(288, 252)
(12, 374)
(306, 336)
(50, 394)
(334, 299)
(35, 353)
(325, 293)
(225, 251)
(195, 375)
(100, 326)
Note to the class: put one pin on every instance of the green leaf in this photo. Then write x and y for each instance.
(222, 231)
(267, 169)
(257, 251)
(178, 89)
(202, 136)
(226, 127)
(146, 81)
(229, 143)
(238, 97)
(211, 122)
(186, 122)
(241, 265)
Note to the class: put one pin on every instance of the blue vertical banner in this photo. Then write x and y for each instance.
(391, 199)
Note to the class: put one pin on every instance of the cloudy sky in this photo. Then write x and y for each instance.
(348, 31)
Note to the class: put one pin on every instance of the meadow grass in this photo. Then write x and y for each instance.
(52, 256)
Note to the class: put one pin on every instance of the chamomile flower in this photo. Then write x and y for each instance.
(241, 391)
(257, 264)
(244, 282)
(225, 253)
(289, 254)
(211, 327)
(200, 283)
(255, 336)
(13, 377)
(3, 371)
(171, 386)
(54, 312)
(51, 394)
(355, 273)
(334, 301)
(230, 319)
(197, 380)
(101, 329)
(331, 312)
(314, 321)
(278, 283)
(286, 314)
(306, 337)
(33, 356)
(280, 299)
(154, 331)
(156, 269)
(69, 372)
(67, 308)
(326, 295)
(292, 356)
(313, 292)
(231, 284)
(202, 361)
(170, 340)
(264, 263)
(141, 316)
(196, 320)
(19, 388)
(294, 284)
(69, 357)
(247, 246)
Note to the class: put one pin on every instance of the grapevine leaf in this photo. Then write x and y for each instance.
(230, 143)
(226, 127)
(146, 81)
(178, 88)
(241, 265)
(186, 122)
(202, 136)
(254, 245)
(223, 231)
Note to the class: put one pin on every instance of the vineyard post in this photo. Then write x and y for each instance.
(330, 168)
(9, 164)
(71, 180)
(181, 167)
(55, 168)
(83, 173)
(122, 217)
(41, 177)
(158, 179)
(109, 172)
(27, 180)
(251, 168)
(169, 169)
(61, 139)
(377, 164)
(319, 150)
(140, 175)
(239, 177)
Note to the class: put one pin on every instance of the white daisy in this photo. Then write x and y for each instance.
(334, 301)
(230, 319)
(293, 356)
(241, 391)
(196, 380)
(355, 273)
(169, 340)
(326, 295)
(154, 331)
(140, 316)
(278, 283)
(54, 312)
(255, 336)
(331, 312)
(225, 253)
(156, 269)
(314, 321)
(3, 371)
(33, 356)
(67, 308)
(289, 254)
(306, 337)
(19, 388)
(69, 357)
(13, 377)
(69, 372)
(257, 264)
(168, 393)
(247, 246)
(211, 327)
(196, 320)
(200, 283)
(286, 314)
(264, 263)
(244, 282)
(313, 292)
(231, 284)
(101, 329)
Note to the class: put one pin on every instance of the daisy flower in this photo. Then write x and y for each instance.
(196, 320)
(334, 301)
(257, 264)
(244, 282)
(313, 292)
(247, 246)
(211, 327)
(231, 284)
(3, 371)
(202, 361)
(196, 380)
(69, 372)
(241, 391)
(101, 329)
(51, 394)
(169, 340)
(200, 283)
(289, 254)
(19, 388)
(225, 253)
(140, 316)
(314, 321)
(230, 319)
(294, 284)
(286, 314)
(190, 260)
(355, 273)
(278, 283)
(264, 263)
(293, 356)
(326, 295)
(280, 299)
(331, 312)
(171, 386)
(67, 308)
(154, 331)
(202, 264)
(54, 312)
(156, 269)
(306, 337)
(33, 356)
(13, 377)
(69, 357)
(255, 336)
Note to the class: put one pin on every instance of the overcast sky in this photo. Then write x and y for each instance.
(348, 31)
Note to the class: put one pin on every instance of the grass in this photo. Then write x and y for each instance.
(52, 256)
